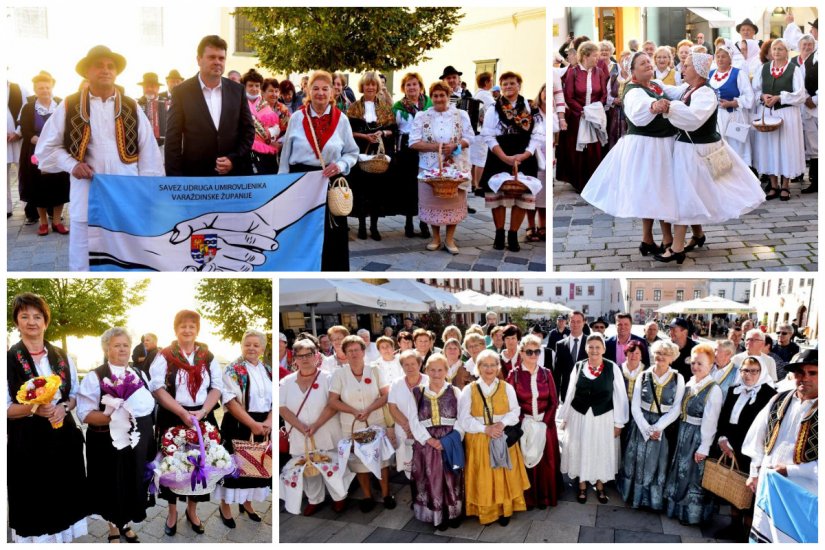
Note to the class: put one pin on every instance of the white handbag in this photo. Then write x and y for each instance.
(737, 131)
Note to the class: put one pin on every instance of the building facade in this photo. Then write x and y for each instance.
(786, 299)
(593, 297)
(645, 296)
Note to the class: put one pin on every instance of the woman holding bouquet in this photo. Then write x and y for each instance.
(37, 450)
(187, 381)
(117, 489)
(247, 398)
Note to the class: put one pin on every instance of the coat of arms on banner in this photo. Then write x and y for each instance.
(204, 248)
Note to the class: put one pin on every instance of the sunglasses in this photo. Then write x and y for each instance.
(531, 352)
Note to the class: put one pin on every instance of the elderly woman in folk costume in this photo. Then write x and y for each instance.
(474, 344)
(438, 453)
(508, 130)
(457, 374)
(267, 125)
(704, 198)
(247, 398)
(593, 414)
(616, 121)
(780, 87)
(495, 476)
(405, 109)
(303, 398)
(626, 188)
(538, 402)
(372, 120)
(510, 357)
(655, 399)
(631, 370)
(687, 500)
(300, 153)
(35, 446)
(733, 88)
(115, 461)
(665, 72)
(187, 381)
(401, 408)
(742, 404)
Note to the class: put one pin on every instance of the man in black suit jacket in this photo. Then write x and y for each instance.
(624, 322)
(564, 360)
(209, 138)
(559, 332)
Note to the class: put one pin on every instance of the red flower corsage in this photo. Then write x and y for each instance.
(367, 380)
(329, 474)
(315, 386)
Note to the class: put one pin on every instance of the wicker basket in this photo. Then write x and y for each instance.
(362, 436)
(311, 456)
(379, 163)
(761, 126)
(443, 188)
(514, 188)
(727, 482)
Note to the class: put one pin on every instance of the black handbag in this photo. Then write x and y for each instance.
(512, 433)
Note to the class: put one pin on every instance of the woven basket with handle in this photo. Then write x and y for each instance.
(254, 459)
(727, 482)
(762, 126)
(362, 436)
(379, 163)
(444, 187)
(514, 188)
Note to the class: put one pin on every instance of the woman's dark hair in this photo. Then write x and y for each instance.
(632, 346)
(252, 76)
(187, 315)
(512, 330)
(483, 79)
(286, 87)
(634, 58)
(763, 51)
(29, 299)
(269, 82)
(404, 335)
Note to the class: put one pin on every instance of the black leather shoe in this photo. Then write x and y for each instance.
(504, 521)
(196, 528)
(498, 243)
(362, 233)
(425, 230)
(374, 234)
(389, 502)
(512, 241)
(170, 531)
(647, 248)
(228, 522)
(409, 231)
(366, 505)
(471, 210)
(678, 257)
(252, 515)
(133, 539)
(812, 188)
(695, 242)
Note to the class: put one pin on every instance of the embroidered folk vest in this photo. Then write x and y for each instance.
(806, 446)
(773, 86)
(706, 133)
(594, 394)
(78, 130)
(660, 127)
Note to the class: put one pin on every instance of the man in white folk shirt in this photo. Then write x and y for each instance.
(84, 143)
(371, 351)
(755, 346)
(783, 437)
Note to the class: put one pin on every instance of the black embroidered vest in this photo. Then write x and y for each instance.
(706, 133)
(594, 394)
(772, 86)
(811, 76)
(659, 127)
(806, 446)
(78, 130)
(17, 375)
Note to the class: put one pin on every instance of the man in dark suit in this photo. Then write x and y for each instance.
(559, 332)
(569, 350)
(680, 335)
(209, 130)
(615, 344)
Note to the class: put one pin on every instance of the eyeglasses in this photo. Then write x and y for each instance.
(304, 356)
(750, 371)
(754, 340)
(784, 333)
(531, 352)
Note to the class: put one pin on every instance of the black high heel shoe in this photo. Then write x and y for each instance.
(679, 257)
(170, 531)
(229, 522)
(647, 248)
(252, 515)
(196, 528)
(695, 242)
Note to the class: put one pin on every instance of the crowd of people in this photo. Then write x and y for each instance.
(177, 385)
(246, 124)
(715, 117)
(487, 424)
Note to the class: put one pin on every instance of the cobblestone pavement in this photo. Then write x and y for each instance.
(29, 252)
(777, 236)
(567, 522)
(474, 238)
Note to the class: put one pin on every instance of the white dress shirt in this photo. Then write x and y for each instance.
(666, 419)
(260, 388)
(476, 424)
(214, 100)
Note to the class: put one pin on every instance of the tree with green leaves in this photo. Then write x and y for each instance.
(340, 39)
(80, 307)
(518, 317)
(236, 305)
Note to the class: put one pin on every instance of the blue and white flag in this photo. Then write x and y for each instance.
(252, 223)
(785, 512)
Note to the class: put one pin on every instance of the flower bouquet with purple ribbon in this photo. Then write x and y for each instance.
(192, 461)
(116, 393)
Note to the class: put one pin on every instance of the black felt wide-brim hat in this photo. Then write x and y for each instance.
(749, 23)
(805, 357)
(96, 53)
(448, 70)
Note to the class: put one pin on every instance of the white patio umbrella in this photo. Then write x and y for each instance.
(342, 296)
(708, 304)
(428, 294)
(473, 299)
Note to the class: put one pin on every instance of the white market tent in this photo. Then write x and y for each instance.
(472, 299)
(430, 295)
(707, 305)
(319, 296)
